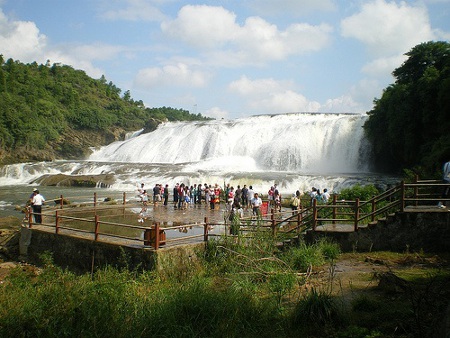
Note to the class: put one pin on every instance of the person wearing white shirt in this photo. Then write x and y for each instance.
(256, 204)
(325, 196)
(37, 202)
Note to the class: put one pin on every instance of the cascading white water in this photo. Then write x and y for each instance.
(306, 143)
(296, 151)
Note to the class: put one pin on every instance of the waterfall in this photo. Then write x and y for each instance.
(296, 151)
(303, 143)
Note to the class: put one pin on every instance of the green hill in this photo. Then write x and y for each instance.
(54, 111)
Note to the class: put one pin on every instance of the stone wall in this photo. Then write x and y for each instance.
(413, 231)
(82, 255)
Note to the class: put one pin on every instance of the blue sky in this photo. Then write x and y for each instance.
(229, 59)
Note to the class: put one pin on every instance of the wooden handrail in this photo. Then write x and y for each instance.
(357, 212)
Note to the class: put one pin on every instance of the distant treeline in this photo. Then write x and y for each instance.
(40, 103)
(409, 126)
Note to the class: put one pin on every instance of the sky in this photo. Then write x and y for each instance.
(233, 58)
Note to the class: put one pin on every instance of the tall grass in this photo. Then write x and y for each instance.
(114, 305)
(244, 288)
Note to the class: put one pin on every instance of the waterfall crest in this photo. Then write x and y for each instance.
(306, 143)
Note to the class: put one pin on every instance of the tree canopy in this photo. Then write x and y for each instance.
(409, 126)
(39, 104)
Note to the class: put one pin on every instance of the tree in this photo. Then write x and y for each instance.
(41, 104)
(409, 125)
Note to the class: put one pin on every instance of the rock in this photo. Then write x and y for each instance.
(391, 283)
(90, 181)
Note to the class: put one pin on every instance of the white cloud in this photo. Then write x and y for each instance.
(366, 90)
(291, 7)
(21, 40)
(135, 10)
(271, 96)
(202, 26)
(216, 112)
(178, 74)
(342, 104)
(442, 35)
(216, 32)
(383, 66)
(388, 28)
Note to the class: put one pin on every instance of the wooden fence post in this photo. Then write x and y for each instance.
(61, 201)
(56, 222)
(97, 224)
(156, 236)
(334, 208)
(314, 214)
(416, 190)
(95, 199)
(402, 196)
(374, 208)
(205, 230)
(356, 214)
(272, 221)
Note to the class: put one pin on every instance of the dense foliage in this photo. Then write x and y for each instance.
(409, 125)
(39, 104)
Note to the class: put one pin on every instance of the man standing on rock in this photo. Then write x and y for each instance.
(36, 203)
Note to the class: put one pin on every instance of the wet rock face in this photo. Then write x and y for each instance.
(88, 181)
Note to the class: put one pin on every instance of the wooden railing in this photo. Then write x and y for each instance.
(423, 194)
(97, 222)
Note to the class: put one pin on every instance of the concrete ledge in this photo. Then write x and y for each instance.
(81, 255)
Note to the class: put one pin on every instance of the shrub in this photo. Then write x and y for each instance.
(316, 312)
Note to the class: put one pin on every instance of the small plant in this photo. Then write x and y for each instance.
(316, 311)
(305, 257)
(280, 284)
(330, 251)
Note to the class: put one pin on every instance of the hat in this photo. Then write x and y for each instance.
(34, 189)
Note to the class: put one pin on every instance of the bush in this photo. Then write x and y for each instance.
(305, 257)
(316, 312)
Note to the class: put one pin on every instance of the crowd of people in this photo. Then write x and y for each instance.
(235, 200)
(208, 195)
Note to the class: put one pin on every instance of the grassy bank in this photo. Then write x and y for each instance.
(237, 288)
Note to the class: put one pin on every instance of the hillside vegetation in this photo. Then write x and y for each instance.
(54, 111)
(409, 126)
